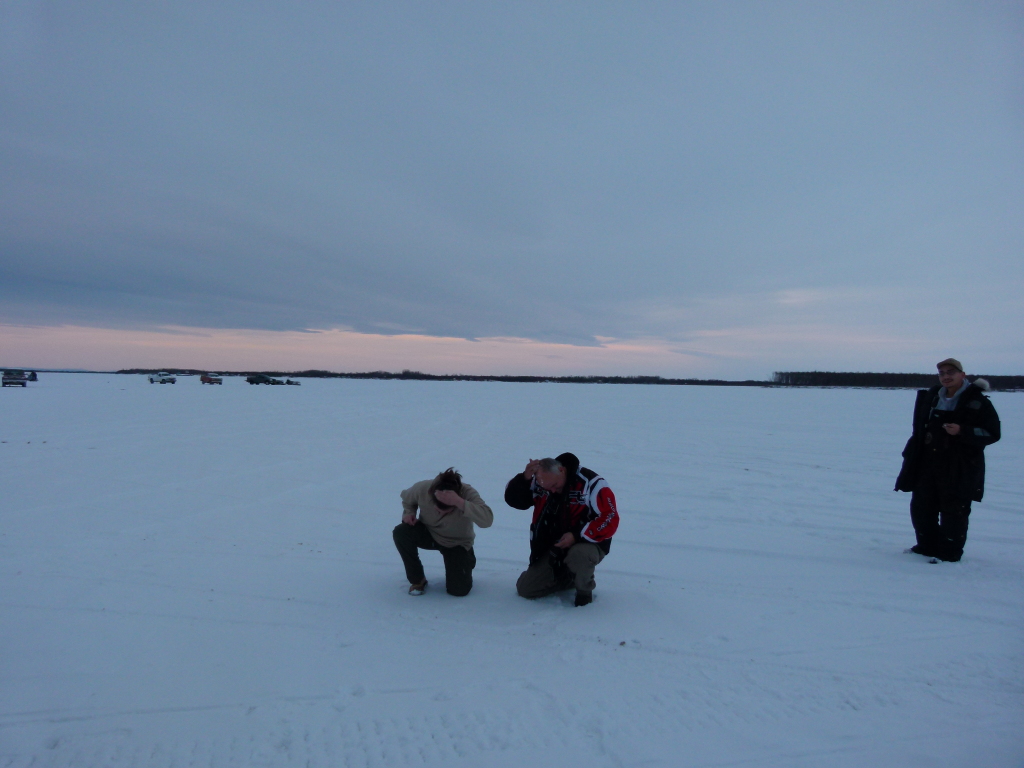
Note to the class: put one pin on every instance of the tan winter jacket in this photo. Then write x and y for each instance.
(454, 528)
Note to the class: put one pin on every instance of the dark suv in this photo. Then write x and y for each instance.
(15, 379)
(262, 378)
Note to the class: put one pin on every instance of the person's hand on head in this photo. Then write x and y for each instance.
(531, 469)
(450, 499)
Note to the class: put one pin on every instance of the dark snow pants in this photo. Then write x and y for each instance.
(939, 517)
(459, 562)
(543, 578)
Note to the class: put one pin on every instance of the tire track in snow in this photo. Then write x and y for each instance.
(521, 718)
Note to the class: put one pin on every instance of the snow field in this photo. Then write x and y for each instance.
(205, 576)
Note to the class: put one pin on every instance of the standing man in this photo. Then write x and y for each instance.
(944, 461)
(447, 510)
(574, 519)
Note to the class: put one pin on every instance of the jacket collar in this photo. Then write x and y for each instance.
(571, 464)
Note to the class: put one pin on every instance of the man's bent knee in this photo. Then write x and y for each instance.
(536, 582)
(458, 590)
(402, 532)
(521, 589)
(526, 586)
(582, 555)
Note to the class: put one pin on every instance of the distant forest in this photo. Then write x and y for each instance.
(882, 380)
(780, 379)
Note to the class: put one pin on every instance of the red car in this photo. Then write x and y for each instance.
(209, 378)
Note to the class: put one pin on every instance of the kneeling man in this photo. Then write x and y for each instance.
(574, 519)
(447, 510)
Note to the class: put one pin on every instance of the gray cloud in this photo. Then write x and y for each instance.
(532, 170)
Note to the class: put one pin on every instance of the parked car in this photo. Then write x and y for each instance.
(161, 378)
(292, 381)
(210, 378)
(262, 378)
(15, 379)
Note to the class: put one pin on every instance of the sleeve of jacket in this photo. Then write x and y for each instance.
(602, 527)
(984, 428)
(518, 493)
(907, 478)
(409, 503)
(475, 509)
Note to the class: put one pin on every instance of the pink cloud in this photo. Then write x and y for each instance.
(337, 350)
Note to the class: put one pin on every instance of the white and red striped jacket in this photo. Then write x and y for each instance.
(585, 507)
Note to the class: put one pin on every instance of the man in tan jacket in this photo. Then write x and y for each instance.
(447, 510)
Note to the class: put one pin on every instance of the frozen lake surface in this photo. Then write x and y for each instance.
(203, 575)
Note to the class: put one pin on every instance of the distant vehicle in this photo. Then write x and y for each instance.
(15, 379)
(290, 381)
(161, 378)
(210, 378)
(262, 378)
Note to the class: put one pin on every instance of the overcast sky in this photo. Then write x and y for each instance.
(745, 187)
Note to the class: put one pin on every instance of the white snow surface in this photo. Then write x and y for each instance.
(204, 575)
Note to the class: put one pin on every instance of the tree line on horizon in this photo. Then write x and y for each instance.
(779, 379)
(881, 380)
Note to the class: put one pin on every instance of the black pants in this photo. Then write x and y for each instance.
(939, 517)
(459, 562)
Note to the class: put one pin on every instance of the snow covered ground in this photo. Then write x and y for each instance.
(197, 575)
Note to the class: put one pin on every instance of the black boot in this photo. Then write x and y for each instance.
(583, 598)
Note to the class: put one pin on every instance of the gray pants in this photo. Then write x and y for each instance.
(540, 578)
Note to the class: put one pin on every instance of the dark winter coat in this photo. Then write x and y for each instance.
(958, 459)
(585, 507)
